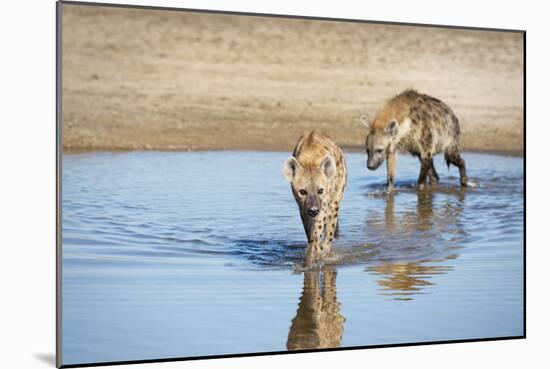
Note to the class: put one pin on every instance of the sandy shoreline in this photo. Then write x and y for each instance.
(159, 80)
(346, 149)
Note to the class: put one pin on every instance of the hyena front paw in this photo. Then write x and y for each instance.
(313, 252)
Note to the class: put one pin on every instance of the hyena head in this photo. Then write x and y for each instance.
(310, 185)
(379, 140)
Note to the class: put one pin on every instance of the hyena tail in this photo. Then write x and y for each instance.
(447, 159)
(450, 154)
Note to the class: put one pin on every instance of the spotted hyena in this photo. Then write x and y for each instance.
(420, 124)
(317, 174)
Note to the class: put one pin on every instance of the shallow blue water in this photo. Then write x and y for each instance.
(171, 254)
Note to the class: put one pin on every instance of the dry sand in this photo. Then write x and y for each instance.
(141, 79)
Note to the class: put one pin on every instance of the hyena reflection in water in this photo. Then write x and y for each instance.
(317, 174)
(419, 124)
(406, 232)
(318, 322)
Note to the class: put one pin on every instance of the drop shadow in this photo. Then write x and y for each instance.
(48, 359)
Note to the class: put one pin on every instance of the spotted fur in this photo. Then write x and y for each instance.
(419, 124)
(317, 174)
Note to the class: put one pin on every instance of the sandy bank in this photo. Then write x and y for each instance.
(136, 79)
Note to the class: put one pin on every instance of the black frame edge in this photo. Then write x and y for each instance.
(58, 184)
(525, 184)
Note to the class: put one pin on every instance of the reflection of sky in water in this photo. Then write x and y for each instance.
(189, 254)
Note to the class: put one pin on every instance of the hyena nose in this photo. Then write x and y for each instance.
(313, 211)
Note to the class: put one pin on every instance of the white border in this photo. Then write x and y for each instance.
(27, 191)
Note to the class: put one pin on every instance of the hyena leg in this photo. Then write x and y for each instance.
(313, 250)
(453, 156)
(330, 228)
(425, 167)
(337, 230)
(390, 162)
(311, 254)
(432, 174)
(336, 210)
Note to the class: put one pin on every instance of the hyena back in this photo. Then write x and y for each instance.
(419, 124)
(317, 174)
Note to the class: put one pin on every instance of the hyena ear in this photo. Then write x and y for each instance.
(290, 167)
(392, 128)
(328, 166)
(365, 121)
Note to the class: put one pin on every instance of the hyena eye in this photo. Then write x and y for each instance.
(379, 151)
(303, 192)
(320, 191)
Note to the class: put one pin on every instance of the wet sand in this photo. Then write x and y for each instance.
(143, 80)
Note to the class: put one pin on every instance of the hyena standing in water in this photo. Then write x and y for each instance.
(317, 174)
(420, 124)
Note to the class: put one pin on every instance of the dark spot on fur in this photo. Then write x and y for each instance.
(425, 116)
(417, 117)
(426, 135)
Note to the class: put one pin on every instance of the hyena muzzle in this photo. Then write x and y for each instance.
(317, 174)
(419, 124)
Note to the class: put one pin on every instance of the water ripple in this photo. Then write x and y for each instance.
(256, 222)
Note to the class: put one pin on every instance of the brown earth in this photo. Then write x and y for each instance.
(140, 79)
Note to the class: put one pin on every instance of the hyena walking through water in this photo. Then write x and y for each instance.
(419, 124)
(317, 174)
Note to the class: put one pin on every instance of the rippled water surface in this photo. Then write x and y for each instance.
(191, 254)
